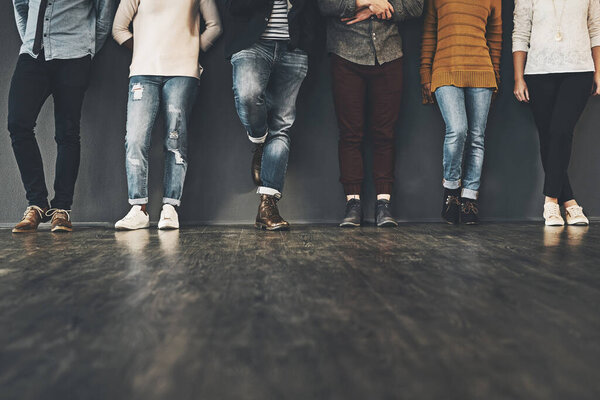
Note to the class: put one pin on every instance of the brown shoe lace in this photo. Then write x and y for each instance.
(469, 207)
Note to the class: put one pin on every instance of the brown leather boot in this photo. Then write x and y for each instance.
(32, 218)
(256, 164)
(61, 220)
(268, 217)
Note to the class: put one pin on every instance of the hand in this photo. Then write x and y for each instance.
(381, 8)
(596, 85)
(426, 93)
(129, 44)
(362, 15)
(521, 91)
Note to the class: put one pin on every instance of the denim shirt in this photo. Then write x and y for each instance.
(72, 28)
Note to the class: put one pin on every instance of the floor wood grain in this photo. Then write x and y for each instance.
(424, 311)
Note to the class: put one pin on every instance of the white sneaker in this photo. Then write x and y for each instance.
(135, 219)
(575, 216)
(168, 218)
(552, 215)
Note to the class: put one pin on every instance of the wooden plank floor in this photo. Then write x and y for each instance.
(425, 311)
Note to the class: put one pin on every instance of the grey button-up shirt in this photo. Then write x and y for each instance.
(72, 28)
(371, 41)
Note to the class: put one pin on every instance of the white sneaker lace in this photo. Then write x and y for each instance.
(575, 211)
(131, 214)
(552, 211)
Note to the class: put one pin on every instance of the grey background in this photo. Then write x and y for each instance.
(218, 187)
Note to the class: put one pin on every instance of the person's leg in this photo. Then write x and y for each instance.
(30, 87)
(142, 108)
(70, 79)
(178, 97)
(251, 73)
(478, 101)
(385, 95)
(543, 92)
(451, 101)
(289, 71)
(572, 96)
(349, 94)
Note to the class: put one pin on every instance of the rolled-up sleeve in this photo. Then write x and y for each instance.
(405, 9)
(123, 18)
(522, 18)
(338, 8)
(594, 22)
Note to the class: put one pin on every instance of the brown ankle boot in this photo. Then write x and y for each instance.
(268, 217)
(61, 220)
(31, 220)
(256, 164)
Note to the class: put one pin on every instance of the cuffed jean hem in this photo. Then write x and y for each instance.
(383, 188)
(173, 202)
(451, 184)
(138, 202)
(352, 188)
(269, 191)
(259, 140)
(470, 194)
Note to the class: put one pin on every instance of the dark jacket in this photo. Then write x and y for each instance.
(246, 20)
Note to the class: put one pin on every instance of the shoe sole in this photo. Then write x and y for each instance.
(61, 229)
(15, 230)
(168, 228)
(552, 224)
(263, 227)
(471, 223)
(349, 225)
(130, 229)
(387, 224)
(579, 224)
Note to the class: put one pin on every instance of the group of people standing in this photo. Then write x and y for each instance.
(556, 53)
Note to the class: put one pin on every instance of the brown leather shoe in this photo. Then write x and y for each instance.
(32, 218)
(256, 164)
(61, 220)
(268, 217)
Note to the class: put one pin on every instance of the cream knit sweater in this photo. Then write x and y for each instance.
(166, 34)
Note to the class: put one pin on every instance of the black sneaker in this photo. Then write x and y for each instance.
(383, 214)
(353, 214)
(469, 211)
(451, 206)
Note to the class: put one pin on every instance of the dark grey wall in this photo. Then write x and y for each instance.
(218, 187)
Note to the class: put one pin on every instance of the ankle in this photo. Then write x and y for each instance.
(144, 208)
(570, 203)
(551, 200)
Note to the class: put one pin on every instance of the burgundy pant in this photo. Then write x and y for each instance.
(366, 93)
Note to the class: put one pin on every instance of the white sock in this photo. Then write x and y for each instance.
(384, 197)
(352, 196)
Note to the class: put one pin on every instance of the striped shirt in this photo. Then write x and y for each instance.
(278, 28)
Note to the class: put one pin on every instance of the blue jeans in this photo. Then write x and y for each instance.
(266, 79)
(465, 111)
(174, 97)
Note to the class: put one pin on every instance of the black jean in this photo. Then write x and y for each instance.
(557, 101)
(34, 80)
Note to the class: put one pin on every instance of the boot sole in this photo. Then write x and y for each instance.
(349, 225)
(61, 229)
(15, 230)
(387, 224)
(263, 227)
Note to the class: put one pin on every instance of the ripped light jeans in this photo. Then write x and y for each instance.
(174, 98)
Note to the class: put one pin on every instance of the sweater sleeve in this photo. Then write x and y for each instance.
(522, 17)
(124, 16)
(338, 8)
(429, 44)
(594, 22)
(405, 9)
(494, 35)
(213, 27)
